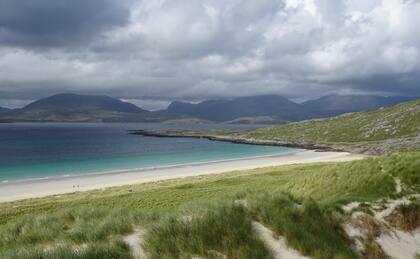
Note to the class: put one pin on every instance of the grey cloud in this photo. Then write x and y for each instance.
(57, 22)
(179, 49)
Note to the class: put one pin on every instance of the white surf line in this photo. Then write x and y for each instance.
(277, 246)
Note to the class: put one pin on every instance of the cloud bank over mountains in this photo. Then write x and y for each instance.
(186, 49)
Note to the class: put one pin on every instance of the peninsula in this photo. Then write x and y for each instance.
(377, 132)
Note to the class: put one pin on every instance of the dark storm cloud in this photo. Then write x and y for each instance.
(406, 84)
(57, 22)
(194, 50)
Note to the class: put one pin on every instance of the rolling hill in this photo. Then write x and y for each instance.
(332, 105)
(82, 103)
(402, 120)
(392, 128)
(4, 110)
(77, 108)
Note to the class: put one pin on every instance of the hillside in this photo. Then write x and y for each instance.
(82, 103)
(386, 130)
(332, 105)
(391, 128)
(77, 108)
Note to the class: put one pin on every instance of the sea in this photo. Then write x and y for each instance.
(31, 151)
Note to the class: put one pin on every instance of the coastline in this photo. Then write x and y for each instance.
(141, 169)
(12, 191)
(239, 139)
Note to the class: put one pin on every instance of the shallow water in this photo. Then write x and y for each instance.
(34, 150)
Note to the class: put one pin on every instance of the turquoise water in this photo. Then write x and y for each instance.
(32, 151)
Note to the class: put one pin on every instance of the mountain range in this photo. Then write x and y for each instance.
(81, 103)
(226, 110)
(255, 109)
(3, 110)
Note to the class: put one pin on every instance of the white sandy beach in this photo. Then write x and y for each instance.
(39, 188)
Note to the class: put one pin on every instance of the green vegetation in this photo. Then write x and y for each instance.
(113, 249)
(70, 233)
(307, 227)
(324, 182)
(394, 128)
(214, 216)
(384, 131)
(406, 216)
(210, 232)
(201, 216)
(373, 250)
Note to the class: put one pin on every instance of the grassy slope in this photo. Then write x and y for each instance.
(325, 182)
(391, 128)
(96, 220)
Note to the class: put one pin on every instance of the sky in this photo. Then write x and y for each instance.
(155, 51)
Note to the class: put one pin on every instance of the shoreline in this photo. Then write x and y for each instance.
(13, 191)
(140, 169)
(238, 139)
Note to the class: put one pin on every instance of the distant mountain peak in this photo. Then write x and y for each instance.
(70, 107)
(2, 110)
(249, 106)
(77, 102)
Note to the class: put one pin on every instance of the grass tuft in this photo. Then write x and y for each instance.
(373, 250)
(114, 249)
(210, 232)
(307, 227)
(406, 216)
